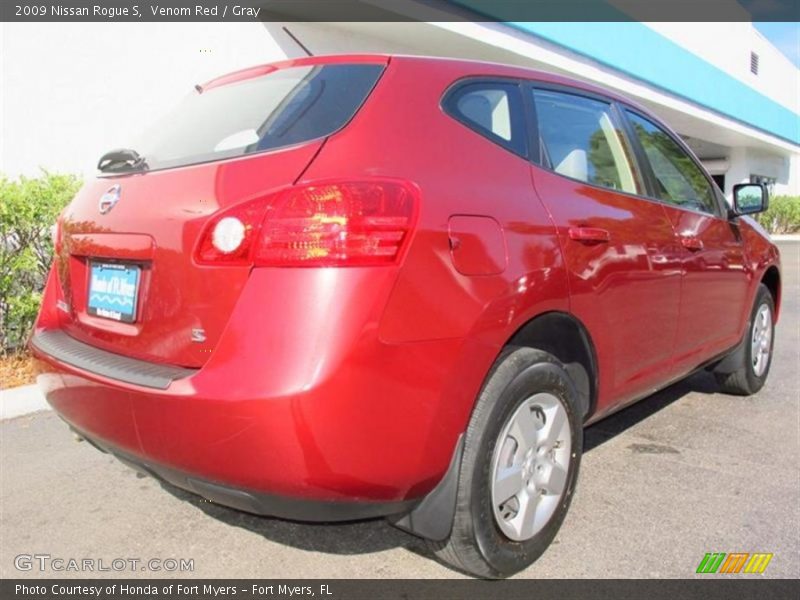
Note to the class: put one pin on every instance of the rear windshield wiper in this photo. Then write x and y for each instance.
(121, 160)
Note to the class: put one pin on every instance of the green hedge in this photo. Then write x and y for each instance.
(782, 216)
(28, 209)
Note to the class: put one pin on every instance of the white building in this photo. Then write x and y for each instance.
(69, 92)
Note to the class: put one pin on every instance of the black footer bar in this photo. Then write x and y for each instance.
(712, 588)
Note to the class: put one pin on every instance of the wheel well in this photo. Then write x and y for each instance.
(566, 338)
(772, 279)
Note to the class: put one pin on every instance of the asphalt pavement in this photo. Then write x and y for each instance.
(682, 473)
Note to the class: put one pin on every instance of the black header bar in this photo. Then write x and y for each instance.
(398, 10)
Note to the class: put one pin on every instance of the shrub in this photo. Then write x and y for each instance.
(28, 209)
(782, 216)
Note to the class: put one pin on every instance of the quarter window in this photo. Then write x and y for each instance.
(492, 109)
(678, 179)
(581, 140)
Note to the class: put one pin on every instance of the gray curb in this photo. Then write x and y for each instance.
(19, 401)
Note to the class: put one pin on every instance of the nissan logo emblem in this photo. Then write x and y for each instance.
(109, 199)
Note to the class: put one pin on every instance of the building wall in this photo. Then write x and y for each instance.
(72, 92)
(727, 46)
(63, 104)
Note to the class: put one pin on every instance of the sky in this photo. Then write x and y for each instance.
(785, 37)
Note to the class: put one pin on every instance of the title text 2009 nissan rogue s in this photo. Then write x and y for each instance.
(356, 286)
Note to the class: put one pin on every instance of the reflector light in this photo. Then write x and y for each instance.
(228, 234)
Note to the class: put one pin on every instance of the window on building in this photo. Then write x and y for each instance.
(678, 179)
(754, 63)
(582, 141)
(768, 182)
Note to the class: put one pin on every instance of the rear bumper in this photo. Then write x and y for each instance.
(365, 440)
(312, 407)
(255, 502)
(371, 435)
(60, 346)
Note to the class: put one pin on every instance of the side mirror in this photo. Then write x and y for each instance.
(749, 198)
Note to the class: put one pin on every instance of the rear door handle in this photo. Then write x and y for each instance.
(692, 243)
(589, 234)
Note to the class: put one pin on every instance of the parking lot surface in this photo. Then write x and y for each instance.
(684, 472)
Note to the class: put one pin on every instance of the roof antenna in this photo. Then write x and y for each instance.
(296, 41)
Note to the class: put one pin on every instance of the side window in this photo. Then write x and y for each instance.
(492, 109)
(581, 140)
(678, 179)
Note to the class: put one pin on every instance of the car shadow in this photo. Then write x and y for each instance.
(595, 435)
(376, 535)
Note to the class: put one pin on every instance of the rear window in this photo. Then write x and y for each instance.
(279, 109)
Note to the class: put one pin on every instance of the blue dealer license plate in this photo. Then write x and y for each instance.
(113, 290)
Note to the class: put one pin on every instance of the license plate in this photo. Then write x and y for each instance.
(113, 291)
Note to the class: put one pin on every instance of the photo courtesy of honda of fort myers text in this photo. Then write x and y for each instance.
(416, 299)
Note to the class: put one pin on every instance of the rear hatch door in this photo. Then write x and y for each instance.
(126, 262)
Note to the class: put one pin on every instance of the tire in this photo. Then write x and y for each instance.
(749, 376)
(530, 387)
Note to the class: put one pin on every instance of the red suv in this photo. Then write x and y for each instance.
(358, 286)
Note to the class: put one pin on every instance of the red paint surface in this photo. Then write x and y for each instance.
(355, 383)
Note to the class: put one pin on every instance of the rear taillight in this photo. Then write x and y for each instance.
(354, 223)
